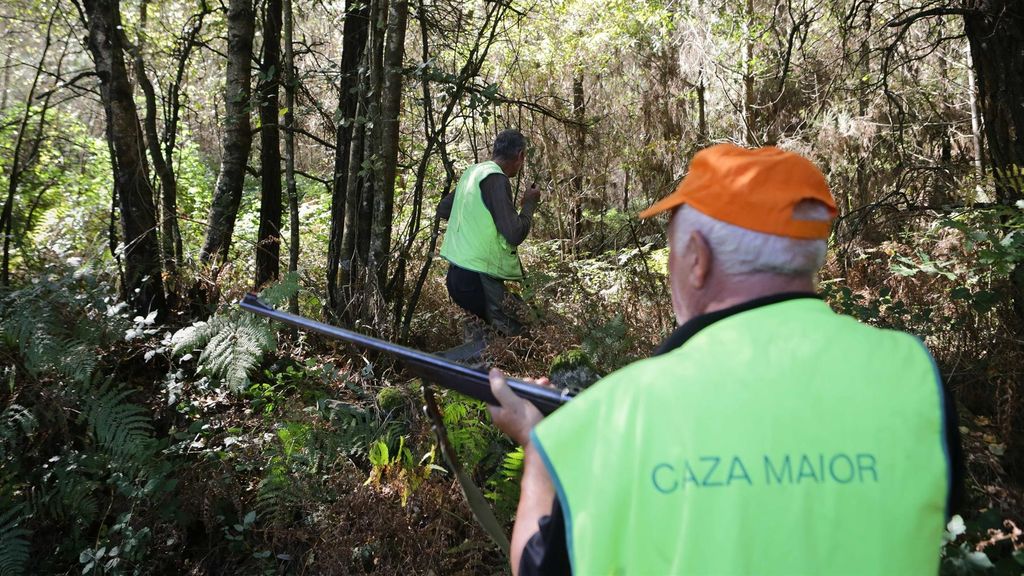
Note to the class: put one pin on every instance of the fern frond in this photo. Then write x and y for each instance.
(462, 418)
(237, 348)
(354, 431)
(279, 293)
(16, 422)
(191, 337)
(121, 428)
(55, 330)
(14, 545)
(40, 352)
(273, 501)
(67, 494)
(233, 344)
(27, 317)
(512, 464)
(79, 360)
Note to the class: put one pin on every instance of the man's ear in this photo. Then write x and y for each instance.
(699, 253)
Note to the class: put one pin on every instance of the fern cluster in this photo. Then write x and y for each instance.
(353, 431)
(233, 343)
(503, 486)
(469, 431)
(276, 495)
(279, 293)
(58, 490)
(123, 430)
(59, 325)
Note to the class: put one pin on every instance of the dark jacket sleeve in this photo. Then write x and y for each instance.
(444, 207)
(497, 196)
(547, 551)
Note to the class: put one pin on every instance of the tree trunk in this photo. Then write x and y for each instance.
(164, 170)
(701, 89)
(625, 192)
(372, 144)
(387, 164)
(702, 120)
(360, 185)
(349, 264)
(864, 74)
(289, 149)
(143, 274)
(995, 31)
(7, 82)
(268, 243)
(353, 46)
(580, 144)
(237, 137)
(396, 286)
(170, 228)
(972, 97)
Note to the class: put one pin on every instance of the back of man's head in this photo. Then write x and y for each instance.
(740, 251)
(508, 144)
(760, 211)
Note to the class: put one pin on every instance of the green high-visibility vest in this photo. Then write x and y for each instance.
(472, 241)
(785, 439)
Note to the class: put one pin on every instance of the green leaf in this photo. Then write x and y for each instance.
(984, 301)
(379, 456)
(960, 293)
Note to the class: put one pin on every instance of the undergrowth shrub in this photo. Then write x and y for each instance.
(93, 487)
(58, 323)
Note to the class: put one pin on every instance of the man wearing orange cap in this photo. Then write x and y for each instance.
(766, 435)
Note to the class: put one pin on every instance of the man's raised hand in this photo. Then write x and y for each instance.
(532, 193)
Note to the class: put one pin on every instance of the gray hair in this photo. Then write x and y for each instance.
(508, 144)
(739, 251)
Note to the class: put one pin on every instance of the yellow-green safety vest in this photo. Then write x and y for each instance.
(472, 240)
(785, 439)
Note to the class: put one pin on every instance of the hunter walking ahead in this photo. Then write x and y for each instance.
(484, 231)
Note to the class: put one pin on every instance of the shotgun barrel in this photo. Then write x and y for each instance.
(469, 381)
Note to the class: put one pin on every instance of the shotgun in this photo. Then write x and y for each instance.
(445, 373)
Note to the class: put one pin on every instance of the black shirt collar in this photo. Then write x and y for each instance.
(683, 333)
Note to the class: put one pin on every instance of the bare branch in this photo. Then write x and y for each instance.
(944, 11)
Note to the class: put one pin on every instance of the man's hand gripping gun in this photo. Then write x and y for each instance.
(444, 373)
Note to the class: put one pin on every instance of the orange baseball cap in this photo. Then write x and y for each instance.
(755, 189)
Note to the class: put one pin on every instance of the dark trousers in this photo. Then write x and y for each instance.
(484, 297)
